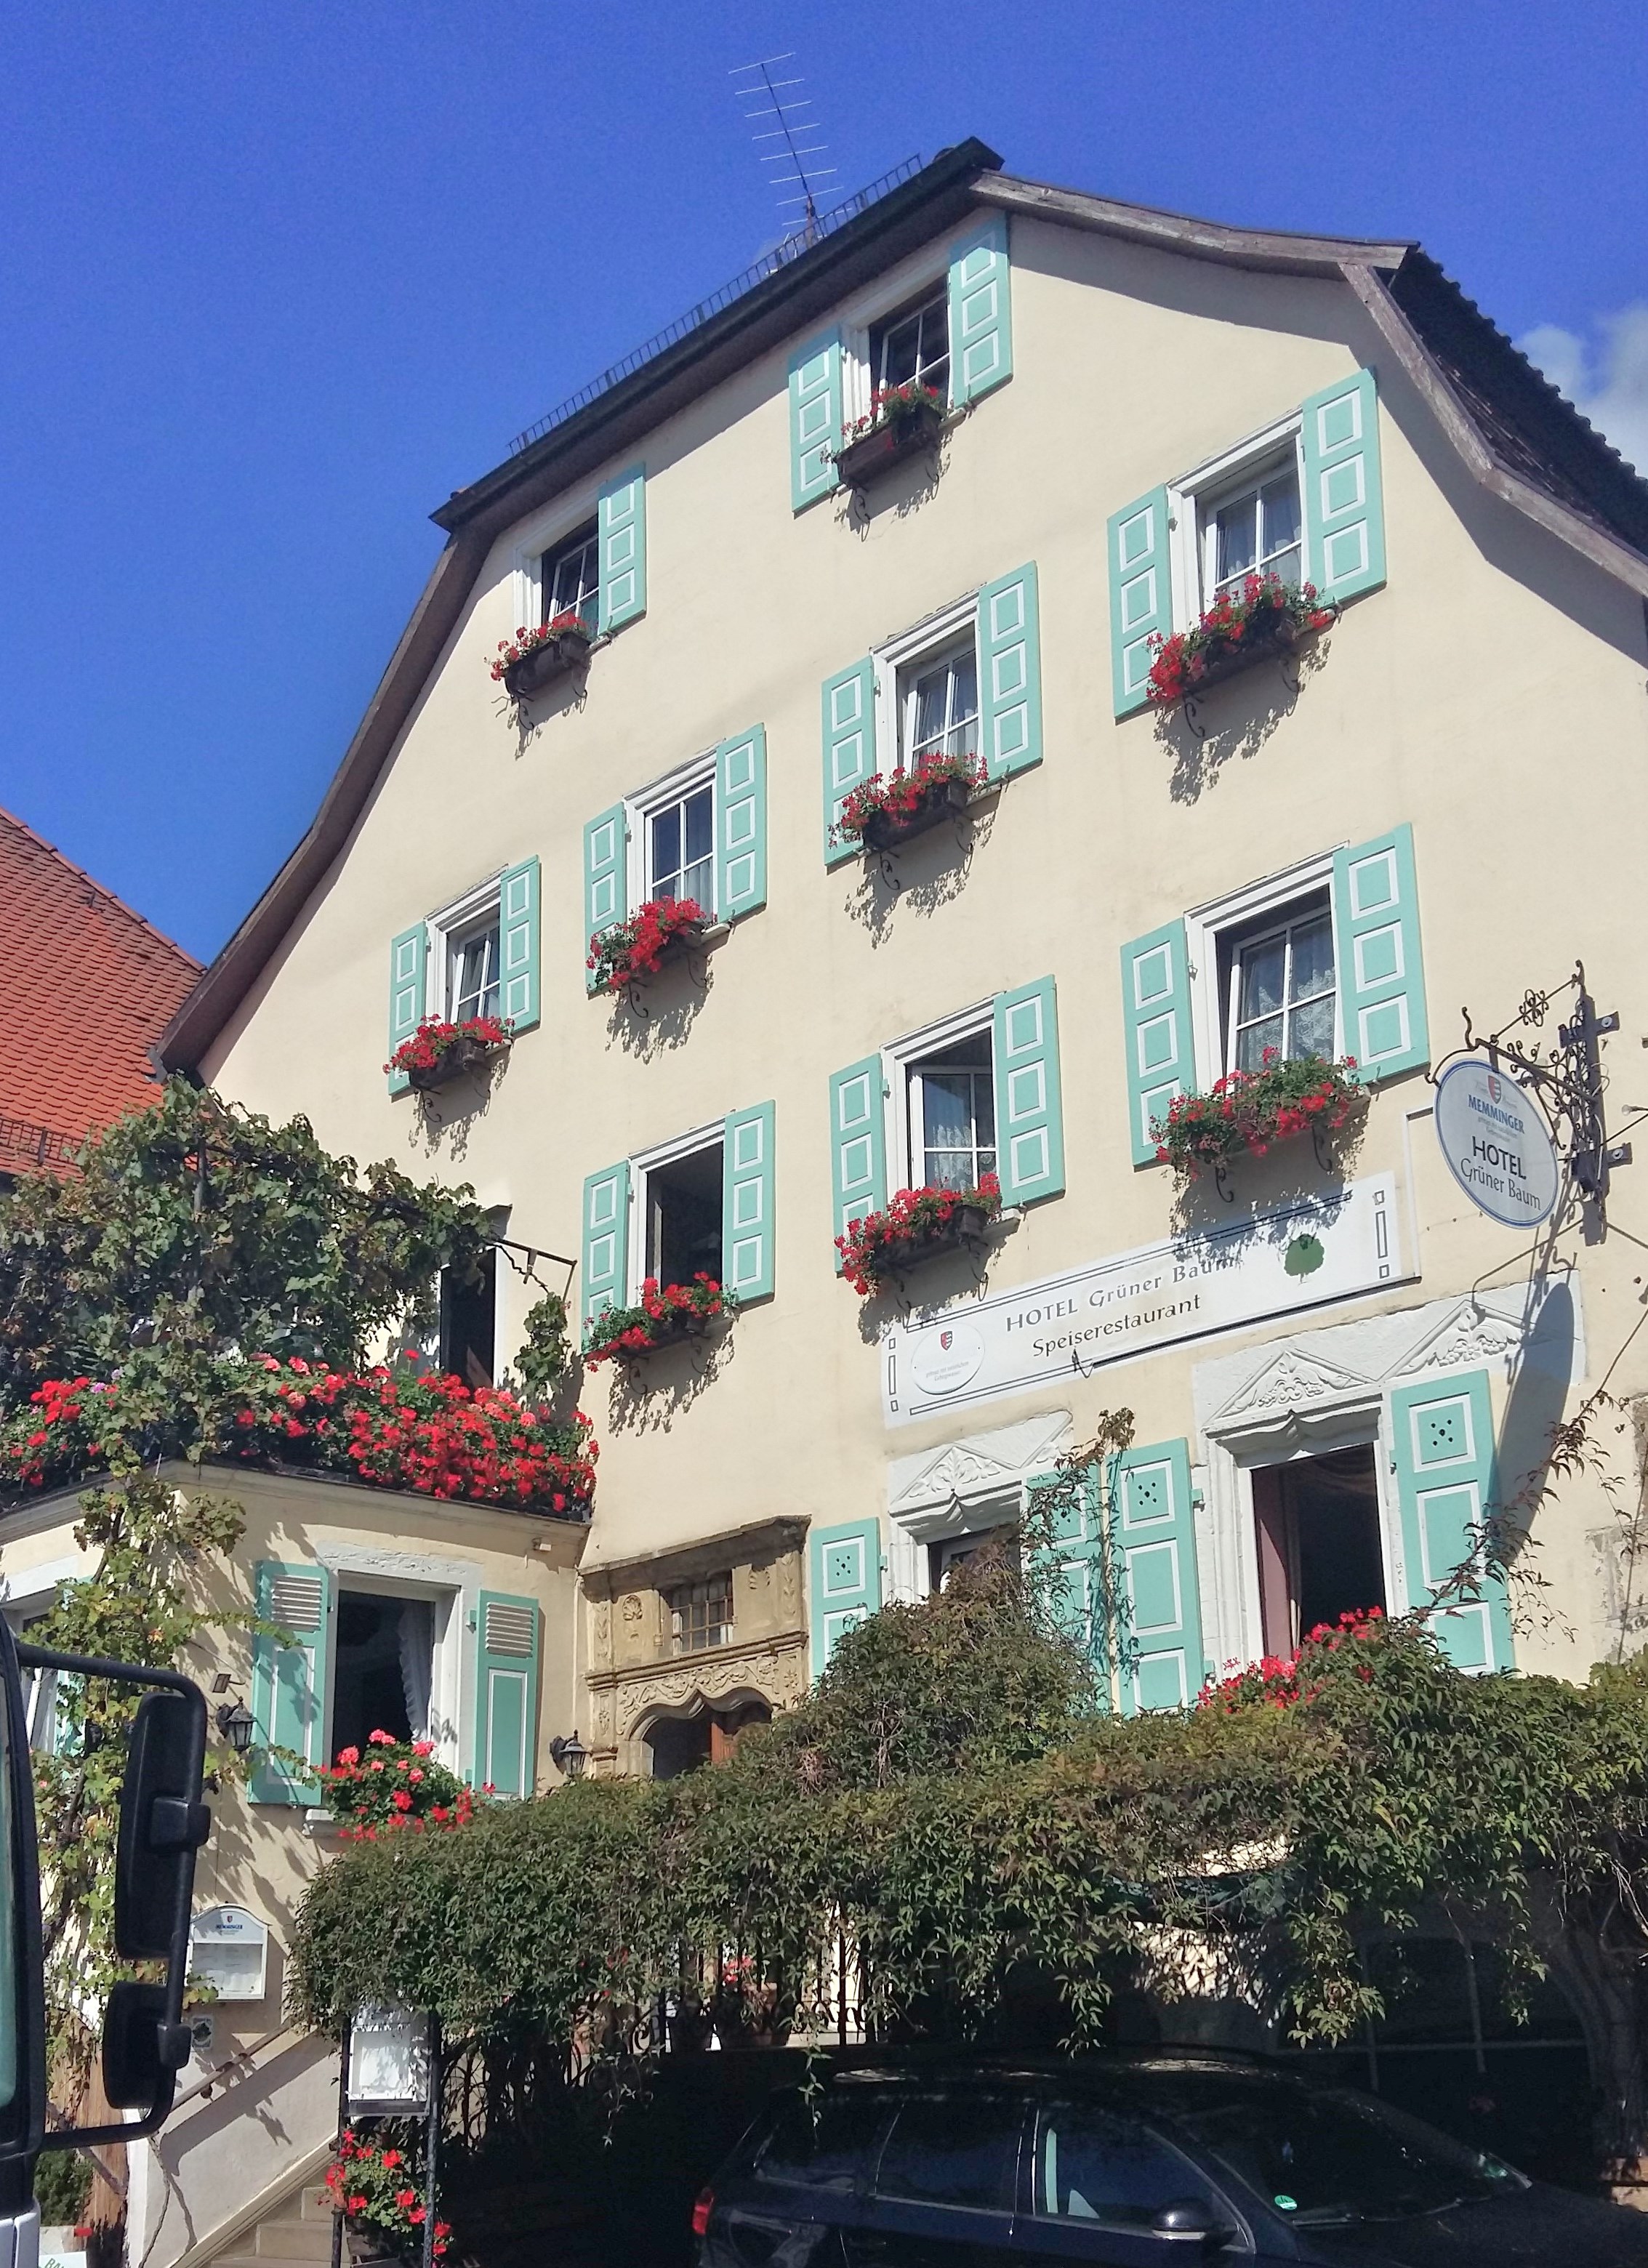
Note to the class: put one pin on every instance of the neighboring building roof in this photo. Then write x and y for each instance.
(1515, 433)
(86, 987)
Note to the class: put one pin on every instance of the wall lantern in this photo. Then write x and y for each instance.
(236, 1725)
(569, 1756)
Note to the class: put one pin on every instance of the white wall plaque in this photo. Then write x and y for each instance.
(1497, 1146)
(1269, 1263)
(228, 1950)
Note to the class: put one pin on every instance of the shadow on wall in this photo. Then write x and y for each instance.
(1528, 1434)
(1232, 721)
(926, 873)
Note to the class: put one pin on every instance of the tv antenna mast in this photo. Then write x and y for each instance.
(790, 133)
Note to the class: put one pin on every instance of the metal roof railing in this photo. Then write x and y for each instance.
(768, 264)
(21, 1141)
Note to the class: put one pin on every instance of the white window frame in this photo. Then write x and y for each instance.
(904, 653)
(548, 533)
(900, 1059)
(452, 1606)
(442, 928)
(926, 274)
(1193, 497)
(1204, 928)
(711, 1137)
(698, 771)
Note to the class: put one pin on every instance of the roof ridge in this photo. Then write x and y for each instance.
(100, 888)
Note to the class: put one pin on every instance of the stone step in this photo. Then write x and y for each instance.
(315, 2204)
(293, 2239)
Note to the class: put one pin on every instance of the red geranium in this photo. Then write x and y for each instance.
(434, 1036)
(1235, 619)
(565, 625)
(912, 1218)
(633, 948)
(901, 793)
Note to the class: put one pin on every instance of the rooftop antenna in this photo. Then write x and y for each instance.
(790, 133)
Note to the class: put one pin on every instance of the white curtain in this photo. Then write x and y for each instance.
(417, 1661)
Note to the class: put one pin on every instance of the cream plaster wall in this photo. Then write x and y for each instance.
(1492, 695)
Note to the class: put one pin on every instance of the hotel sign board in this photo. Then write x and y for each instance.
(1297, 1256)
(1497, 1145)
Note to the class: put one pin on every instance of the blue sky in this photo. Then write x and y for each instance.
(276, 277)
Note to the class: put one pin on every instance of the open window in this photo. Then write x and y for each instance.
(682, 1216)
(569, 578)
(951, 1112)
(1319, 1537)
(911, 346)
(469, 1323)
(383, 1670)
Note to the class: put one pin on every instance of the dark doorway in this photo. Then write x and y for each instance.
(1317, 1522)
(684, 1218)
(468, 1321)
(709, 1736)
(384, 1657)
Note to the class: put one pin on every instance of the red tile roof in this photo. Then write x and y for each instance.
(85, 986)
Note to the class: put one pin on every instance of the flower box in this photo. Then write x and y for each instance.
(907, 429)
(661, 931)
(966, 1224)
(940, 800)
(535, 658)
(438, 1052)
(914, 1226)
(452, 1061)
(1247, 1112)
(666, 1315)
(1265, 619)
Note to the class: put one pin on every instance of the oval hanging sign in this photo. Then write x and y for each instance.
(1499, 1148)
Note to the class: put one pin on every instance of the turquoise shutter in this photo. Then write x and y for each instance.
(1443, 1449)
(407, 957)
(1141, 596)
(1071, 1567)
(518, 944)
(850, 750)
(1156, 1016)
(1029, 1117)
(1344, 505)
(506, 1695)
(621, 527)
(289, 1683)
(858, 1143)
(980, 312)
(605, 1271)
(1010, 674)
(605, 896)
(1162, 1665)
(1376, 947)
(747, 1202)
(844, 1578)
(741, 824)
(815, 420)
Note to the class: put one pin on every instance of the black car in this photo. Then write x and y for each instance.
(1134, 2161)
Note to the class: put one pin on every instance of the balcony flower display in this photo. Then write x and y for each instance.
(889, 808)
(396, 1785)
(1266, 616)
(902, 420)
(664, 1315)
(528, 661)
(636, 947)
(1247, 1111)
(388, 1428)
(438, 1051)
(914, 1226)
(370, 2183)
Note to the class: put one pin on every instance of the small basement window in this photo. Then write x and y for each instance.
(569, 578)
(913, 346)
(383, 1668)
(1253, 530)
(683, 1217)
(1277, 983)
(952, 1100)
(1317, 1527)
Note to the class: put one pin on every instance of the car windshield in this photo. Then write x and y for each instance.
(1322, 2156)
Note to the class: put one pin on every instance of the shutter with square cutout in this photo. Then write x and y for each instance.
(290, 1682)
(741, 824)
(747, 1202)
(1010, 674)
(620, 531)
(407, 958)
(1442, 1445)
(506, 1695)
(815, 420)
(1156, 1019)
(605, 1280)
(850, 747)
(1141, 596)
(844, 1578)
(517, 945)
(1160, 1651)
(1345, 507)
(858, 1143)
(980, 312)
(605, 879)
(1376, 949)
(1029, 1112)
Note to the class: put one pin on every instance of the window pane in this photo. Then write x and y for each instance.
(570, 581)
(964, 688)
(1334, 2155)
(474, 969)
(1091, 2166)
(1312, 958)
(666, 850)
(1311, 1030)
(699, 809)
(952, 2150)
(932, 694)
(831, 2151)
(1263, 968)
(901, 347)
(948, 1096)
(1254, 1040)
(1279, 509)
(1236, 537)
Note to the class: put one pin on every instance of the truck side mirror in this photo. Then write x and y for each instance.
(162, 1825)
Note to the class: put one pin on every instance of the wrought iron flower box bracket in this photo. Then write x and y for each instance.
(452, 1061)
(905, 433)
(967, 1225)
(680, 1330)
(945, 798)
(556, 657)
(690, 938)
